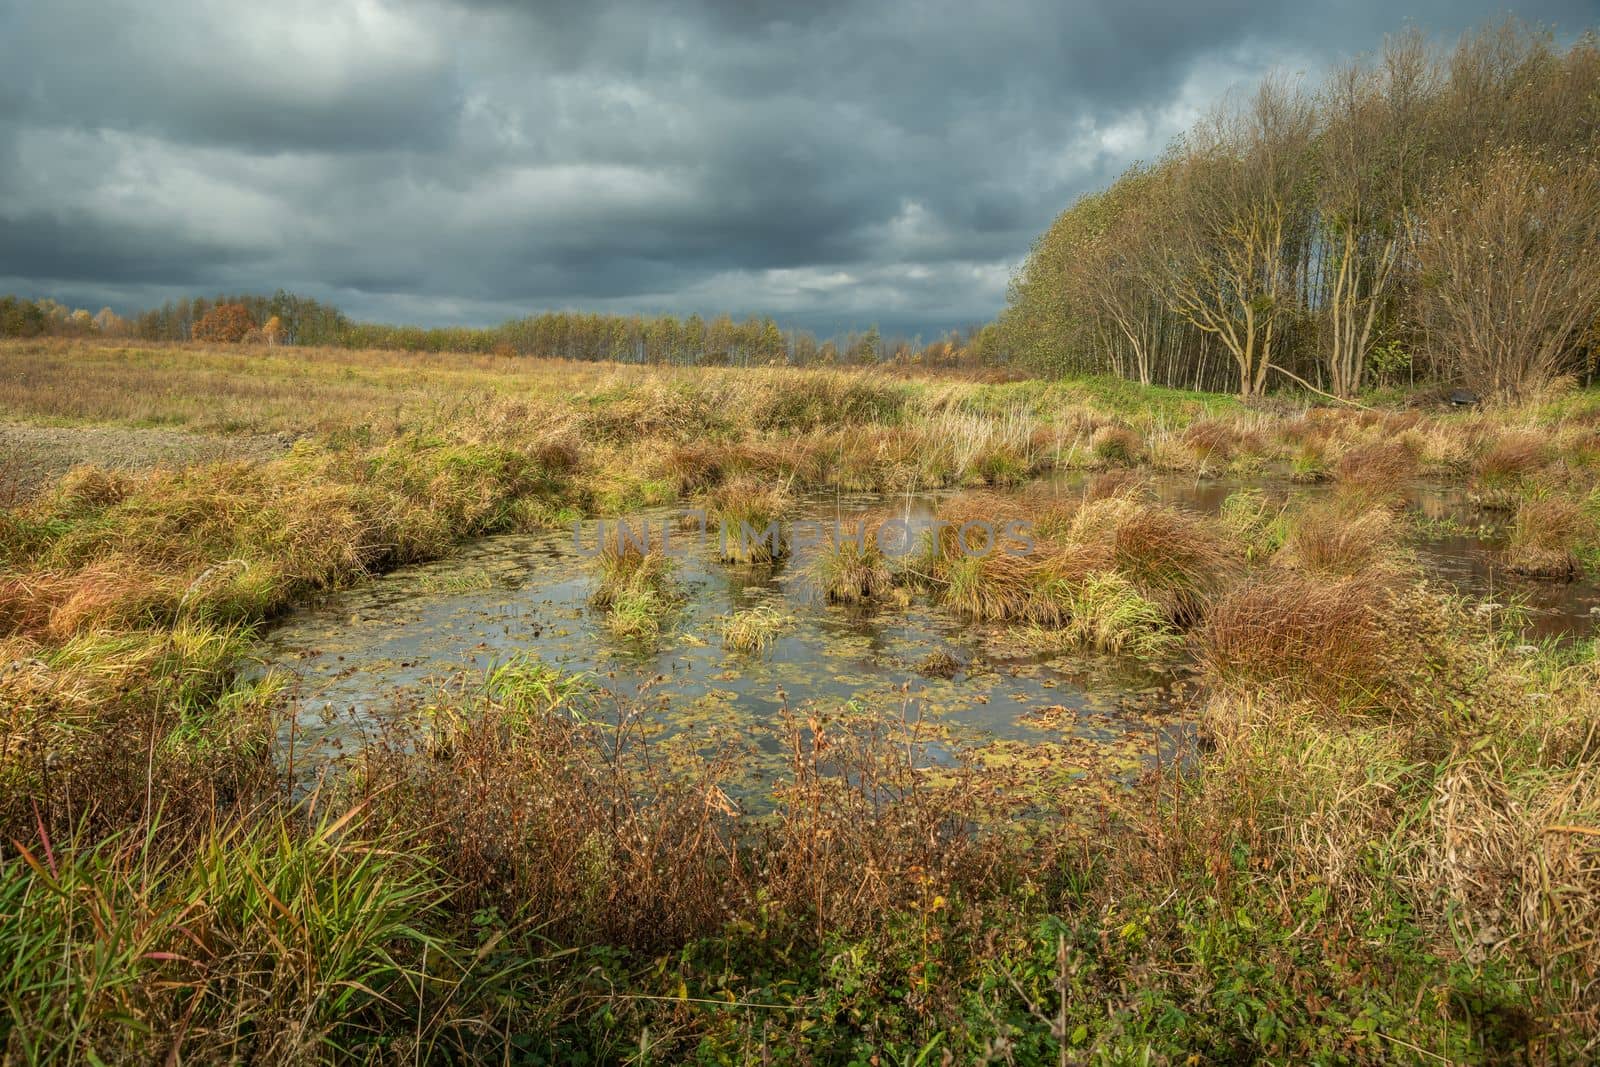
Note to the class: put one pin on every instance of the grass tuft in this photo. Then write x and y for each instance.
(746, 512)
(1546, 537)
(754, 630)
(852, 570)
(636, 591)
(1334, 539)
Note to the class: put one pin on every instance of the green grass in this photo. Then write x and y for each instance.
(1109, 615)
(525, 685)
(265, 942)
(1255, 523)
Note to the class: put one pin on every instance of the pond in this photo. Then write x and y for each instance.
(362, 659)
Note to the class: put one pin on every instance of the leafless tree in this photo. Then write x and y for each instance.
(1509, 283)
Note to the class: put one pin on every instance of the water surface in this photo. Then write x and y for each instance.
(424, 635)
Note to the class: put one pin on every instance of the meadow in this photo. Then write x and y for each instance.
(1387, 848)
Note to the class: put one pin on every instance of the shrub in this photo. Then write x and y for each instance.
(1504, 252)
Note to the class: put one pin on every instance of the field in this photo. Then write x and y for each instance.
(1387, 848)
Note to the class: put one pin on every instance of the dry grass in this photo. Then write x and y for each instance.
(1115, 573)
(1346, 643)
(852, 568)
(1174, 558)
(1545, 536)
(1483, 832)
(636, 589)
(998, 586)
(1502, 468)
(1258, 526)
(1116, 445)
(746, 512)
(1340, 541)
(1213, 440)
(1380, 470)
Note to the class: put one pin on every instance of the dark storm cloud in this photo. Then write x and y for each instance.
(92, 250)
(829, 163)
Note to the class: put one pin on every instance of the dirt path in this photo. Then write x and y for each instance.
(32, 457)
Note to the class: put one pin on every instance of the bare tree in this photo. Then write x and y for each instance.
(1372, 152)
(1241, 215)
(1509, 283)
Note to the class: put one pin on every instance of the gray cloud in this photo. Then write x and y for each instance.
(829, 163)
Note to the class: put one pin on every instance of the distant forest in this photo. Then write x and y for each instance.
(285, 318)
(1421, 215)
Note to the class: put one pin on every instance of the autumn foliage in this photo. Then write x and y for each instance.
(225, 323)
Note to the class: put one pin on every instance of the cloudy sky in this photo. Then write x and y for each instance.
(832, 164)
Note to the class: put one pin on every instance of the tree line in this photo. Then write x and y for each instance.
(1422, 215)
(287, 318)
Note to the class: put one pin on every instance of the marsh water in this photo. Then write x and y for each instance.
(390, 651)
